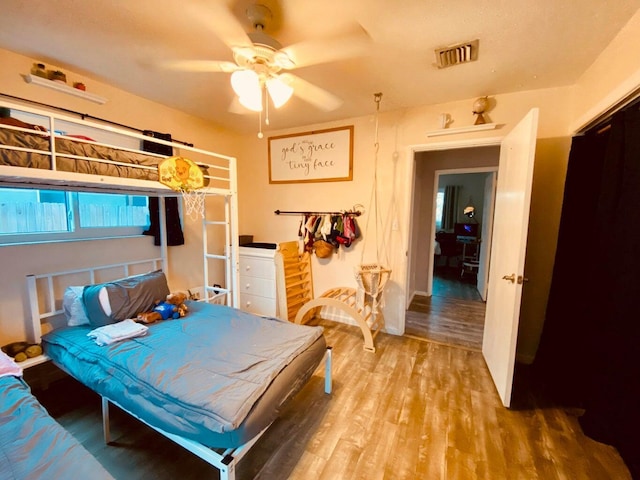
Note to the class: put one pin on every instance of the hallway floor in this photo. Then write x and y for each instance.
(453, 315)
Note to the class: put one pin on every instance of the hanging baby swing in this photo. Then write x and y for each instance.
(372, 277)
(364, 303)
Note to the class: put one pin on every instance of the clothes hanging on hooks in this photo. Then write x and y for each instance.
(334, 228)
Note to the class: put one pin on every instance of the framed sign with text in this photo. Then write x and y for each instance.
(317, 156)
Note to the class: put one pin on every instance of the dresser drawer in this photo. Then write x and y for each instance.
(257, 267)
(258, 305)
(262, 287)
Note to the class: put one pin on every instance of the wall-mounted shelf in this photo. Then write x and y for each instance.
(470, 128)
(62, 87)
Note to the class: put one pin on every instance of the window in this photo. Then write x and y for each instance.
(439, 207)
(33, 211)
(28, 215)
(110, 210)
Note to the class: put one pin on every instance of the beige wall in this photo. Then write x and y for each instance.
(404, 132)
(614, 75)
(19, 261)
(401, 133)
(544, 219)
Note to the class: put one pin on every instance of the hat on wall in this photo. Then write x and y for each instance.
(323, 249)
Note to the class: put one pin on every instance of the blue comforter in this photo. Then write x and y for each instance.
(197, 376)
(33, 445)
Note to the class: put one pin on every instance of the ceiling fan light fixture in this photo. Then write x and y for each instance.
(279, 91)
(252, 102)
(246, 84)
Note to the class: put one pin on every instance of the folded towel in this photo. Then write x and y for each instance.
(116, 332)
(8, 367)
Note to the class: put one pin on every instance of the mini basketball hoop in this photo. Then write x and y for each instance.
(184, 176)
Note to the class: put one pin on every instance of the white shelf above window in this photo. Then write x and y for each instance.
(470, 128)
(63, 87)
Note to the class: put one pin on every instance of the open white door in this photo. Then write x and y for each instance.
(508, 248)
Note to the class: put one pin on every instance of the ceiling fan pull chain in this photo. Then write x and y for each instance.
(266, 107)
(260, 135)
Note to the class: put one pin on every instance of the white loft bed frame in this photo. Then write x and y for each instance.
(221, 175)
(44, 292)
(45, 289)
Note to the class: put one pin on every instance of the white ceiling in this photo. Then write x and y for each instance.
(524, 45)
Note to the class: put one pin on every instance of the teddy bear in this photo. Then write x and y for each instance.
(20, 351)
(172, 307)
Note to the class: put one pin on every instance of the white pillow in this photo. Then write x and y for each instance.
(103, 297)
(73, 307)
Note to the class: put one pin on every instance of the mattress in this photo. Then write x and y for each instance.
(33, 445)
(217, 376)
(66, 146)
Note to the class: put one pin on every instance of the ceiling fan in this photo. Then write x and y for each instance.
(262, 64)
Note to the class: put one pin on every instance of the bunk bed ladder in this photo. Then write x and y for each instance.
(213, 292)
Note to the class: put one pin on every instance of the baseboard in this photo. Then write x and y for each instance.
(410, 298)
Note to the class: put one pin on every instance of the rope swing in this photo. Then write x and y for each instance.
(372, 277)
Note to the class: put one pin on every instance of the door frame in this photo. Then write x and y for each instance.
(486, 230)
(409, 199)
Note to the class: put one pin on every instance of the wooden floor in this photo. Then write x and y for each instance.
(412, 410)
(453, 315)
(447, 282)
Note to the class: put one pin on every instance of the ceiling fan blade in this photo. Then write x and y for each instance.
(199, 65)
(311, 93)
(219, 18)
(313, 52)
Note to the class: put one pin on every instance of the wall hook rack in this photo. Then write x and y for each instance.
(353, 213)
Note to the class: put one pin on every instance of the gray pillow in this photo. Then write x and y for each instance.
(127, 297)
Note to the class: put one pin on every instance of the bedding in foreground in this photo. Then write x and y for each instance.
(216, 376)
(33, 445)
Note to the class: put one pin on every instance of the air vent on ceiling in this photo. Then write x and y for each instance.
(457, 54)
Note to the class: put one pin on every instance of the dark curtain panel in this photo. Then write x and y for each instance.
(174, 226)
(589, 352)
(450, 207)
(564, 346)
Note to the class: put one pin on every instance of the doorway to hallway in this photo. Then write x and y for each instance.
(446, 305)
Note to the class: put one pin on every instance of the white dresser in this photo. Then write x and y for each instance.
(258, 281)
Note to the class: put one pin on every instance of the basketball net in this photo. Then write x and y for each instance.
(194, 203)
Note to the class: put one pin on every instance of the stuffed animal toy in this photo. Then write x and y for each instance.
(178, 300)
(172, 307)
(20, 351)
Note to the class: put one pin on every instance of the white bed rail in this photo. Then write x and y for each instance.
(42, 289)
(220, 167)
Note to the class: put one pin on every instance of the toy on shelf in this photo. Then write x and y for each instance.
(20, 351)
